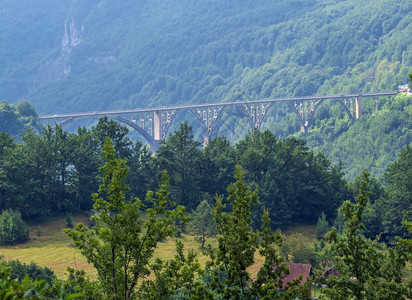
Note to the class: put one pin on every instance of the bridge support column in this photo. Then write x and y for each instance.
(303, 128)
(358, 107)
(207, 116)
(377, 104)
(205, 140)
(157, 126)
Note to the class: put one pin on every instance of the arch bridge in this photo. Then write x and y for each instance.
(153, 123)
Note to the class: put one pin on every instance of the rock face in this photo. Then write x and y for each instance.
(59, 67)
(71, 38)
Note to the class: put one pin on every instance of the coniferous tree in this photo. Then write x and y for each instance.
(269, 278)
(121, 244)
(143, 175)
(398, 179)
(322, 227)
(86, 160)
(365, 271)
(237, 242)
(179, 155)
(217, 166)
(117, 133)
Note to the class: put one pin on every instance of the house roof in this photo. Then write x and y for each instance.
(296, 270)
(331, 271)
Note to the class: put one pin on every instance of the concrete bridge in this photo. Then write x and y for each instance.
(153, 123)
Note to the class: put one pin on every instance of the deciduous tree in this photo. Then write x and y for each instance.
(202, 222)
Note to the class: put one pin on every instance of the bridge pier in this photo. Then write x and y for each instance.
(358, 107)
(207, 117)
(157, 126)
(205, 140)
(303, 128)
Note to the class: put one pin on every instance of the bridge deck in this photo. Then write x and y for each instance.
(195, 106)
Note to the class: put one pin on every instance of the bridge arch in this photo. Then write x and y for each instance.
(154, 145)
(255, 113)
(152, 142)
(293, 107)
(207, 118)
(319, 102)
(345, 107)
(305, 115)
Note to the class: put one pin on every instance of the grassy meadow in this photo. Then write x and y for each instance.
(53, 249)
(49, 246)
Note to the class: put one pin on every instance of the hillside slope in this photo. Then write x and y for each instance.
(66, 56)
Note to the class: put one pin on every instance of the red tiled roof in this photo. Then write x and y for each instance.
(295, 271)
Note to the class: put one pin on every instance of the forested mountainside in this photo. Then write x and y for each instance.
(371, 143)
(88, 55)
(65, 56)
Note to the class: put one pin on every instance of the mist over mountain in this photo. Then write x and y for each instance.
(66, 56)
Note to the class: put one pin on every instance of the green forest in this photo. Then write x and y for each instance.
(250, 189)
(239, 196)
(167, 52)
(101, 55)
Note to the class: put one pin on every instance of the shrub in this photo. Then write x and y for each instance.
(35, 272)
(12, 228)
(69, 220)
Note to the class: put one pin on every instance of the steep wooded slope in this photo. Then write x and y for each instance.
(66, 55)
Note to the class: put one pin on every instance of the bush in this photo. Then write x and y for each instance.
(12, 228)
(26, 288)
(297, 251)
(69, 220)
(18, 270)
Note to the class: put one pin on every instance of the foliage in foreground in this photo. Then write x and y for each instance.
(237, 244)
(34, 271)
(121, 244)
(367, 269)
(26, 288)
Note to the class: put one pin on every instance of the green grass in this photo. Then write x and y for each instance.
(51, 249)
(307, 232)
(55, 250)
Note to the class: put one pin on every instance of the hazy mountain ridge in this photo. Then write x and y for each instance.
(105, 54)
